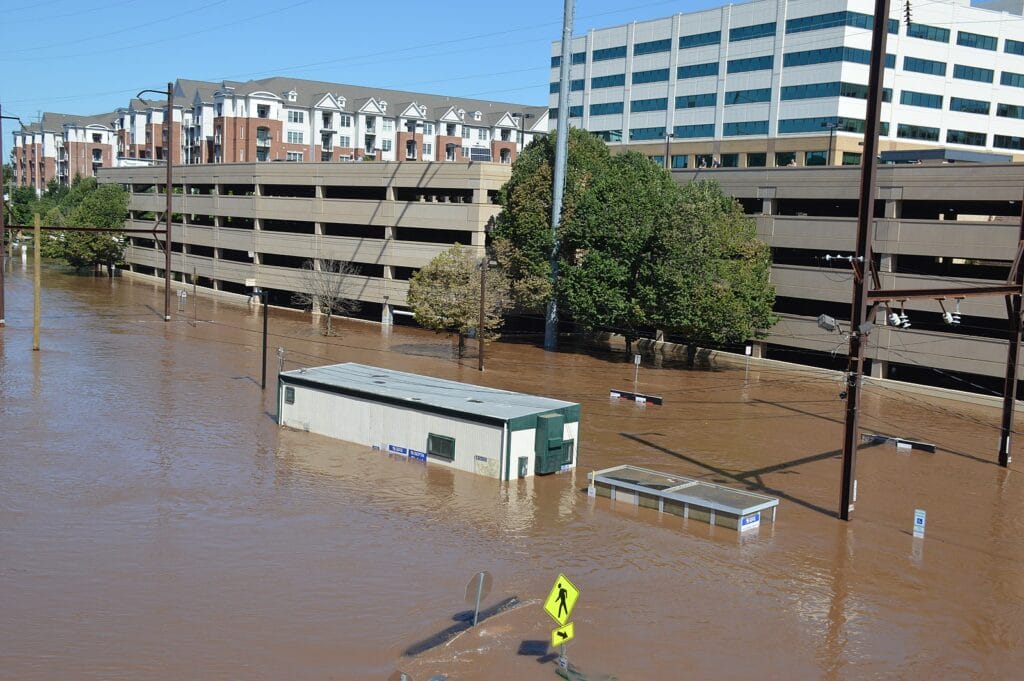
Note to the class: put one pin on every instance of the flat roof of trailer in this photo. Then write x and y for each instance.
(687, 490)
(475, 402)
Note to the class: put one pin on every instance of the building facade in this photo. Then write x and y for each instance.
(241, 226)
(275, 119)
(938, 225)
(784, 82)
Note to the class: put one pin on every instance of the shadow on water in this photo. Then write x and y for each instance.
(462, 624)
(755, 484)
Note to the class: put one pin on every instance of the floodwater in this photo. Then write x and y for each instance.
(156, 524)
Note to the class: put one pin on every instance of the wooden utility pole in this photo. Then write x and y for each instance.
(483, 314)
(862, 259)
(37, 265)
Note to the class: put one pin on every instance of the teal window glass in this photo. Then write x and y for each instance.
(698, 70)
(1008, 142)
(974, 106)
(785, 158)
(851, 158)
(730, 161)
(927, 66)
(815, 158)
(922, 99)
(289, 395)
(751, 32)
(975, 139)
(658, 104)
(981, 42)
(973, 73)
(1011, 79)
(700, 39)
(617, 80)
(926, 32)
(577, 85)
(606, 109)
(917, 132)
(696, 101)
(685, 131)
(749, 64)
(653, 46)
(748, 96)
(610, 53)
(680, 161)
(1010, 111)
(609, 135)
(646, 133)
(441, 447)
(757, 159)
(832, 54)
(742, 128)
(655, 76)
(1013, 47)
(576, 111)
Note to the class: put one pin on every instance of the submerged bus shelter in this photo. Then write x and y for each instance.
(491, 432)
(685, 497)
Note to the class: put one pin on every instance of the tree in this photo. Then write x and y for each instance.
(445, 295)
(618, 246)
(521, 237)
(85, 204)
(323, 290)
(722, 272)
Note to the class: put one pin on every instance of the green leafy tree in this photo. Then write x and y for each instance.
(720, 290)
(521, 237)
(85, 204)
(444, 295)
(618, 246)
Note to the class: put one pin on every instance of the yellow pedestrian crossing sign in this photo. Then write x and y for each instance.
(563, 635)
(561, 600)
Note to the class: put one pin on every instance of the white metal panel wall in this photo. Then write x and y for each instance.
(523, 442)
(477, 446)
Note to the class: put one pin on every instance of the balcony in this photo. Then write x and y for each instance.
(262, 141)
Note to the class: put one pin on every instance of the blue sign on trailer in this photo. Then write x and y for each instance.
(418, 456)
(395, 449)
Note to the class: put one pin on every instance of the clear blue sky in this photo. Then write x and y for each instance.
(91, 56)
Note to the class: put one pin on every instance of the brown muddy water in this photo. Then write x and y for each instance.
(156, 524)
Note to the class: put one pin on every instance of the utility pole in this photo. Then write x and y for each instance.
(168, 150)
(831, 125)
(3, 232)
(1013, 310)
(862, 258)
(37, 265)
(263, 364)
(483, 313)
(668, 140)
(522, 130)
(561, 155)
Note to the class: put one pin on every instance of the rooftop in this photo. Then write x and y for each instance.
(432, 393)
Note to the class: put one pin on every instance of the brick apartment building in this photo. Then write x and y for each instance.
(275, 119)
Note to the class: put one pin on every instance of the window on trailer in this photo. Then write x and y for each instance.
(441, 447)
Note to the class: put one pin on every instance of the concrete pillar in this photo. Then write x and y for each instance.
(479, 196)
(887, 262)
(387, 317)
(757, 349)
(769, 206)
(879, 368)
(894, 209)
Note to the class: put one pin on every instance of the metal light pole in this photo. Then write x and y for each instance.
(483, 314)
(169, 126)
(561, 156)
(263, 364)
(3, 233)
(522, 129)
(831, 125)
(668, 140)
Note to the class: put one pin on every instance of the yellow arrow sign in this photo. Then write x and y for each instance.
(563, 635)
(561, 600)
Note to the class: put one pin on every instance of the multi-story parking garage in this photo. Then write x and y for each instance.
(938, 224)
(258, 223)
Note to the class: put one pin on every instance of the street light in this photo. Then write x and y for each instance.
(522, 129)
(262, 293)
(484, 264)
(831, 125)
(668, 138)
(3, 201)
(169, 126)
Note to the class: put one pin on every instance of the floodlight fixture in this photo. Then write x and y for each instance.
(827, 323)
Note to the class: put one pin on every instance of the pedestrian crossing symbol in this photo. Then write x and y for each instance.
(561, 600)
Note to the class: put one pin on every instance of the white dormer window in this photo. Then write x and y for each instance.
(341, 101)
(477, 115)
(293, 96)
(461, 113)
(383, 105)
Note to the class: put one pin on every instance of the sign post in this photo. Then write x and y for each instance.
(920, 518)
(636, 370)
(559, 605)
(478, 588)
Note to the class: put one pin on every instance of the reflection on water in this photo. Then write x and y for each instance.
(156, 524)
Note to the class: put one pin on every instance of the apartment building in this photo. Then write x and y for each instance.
(61, 146)
(277, 119)
(784, 82)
